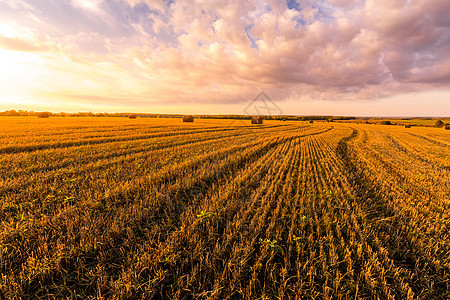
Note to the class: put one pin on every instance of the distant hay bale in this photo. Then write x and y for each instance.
(386, 122)
(311, 121)
(43, 115)
(407, 125)
(439, 123)
(188, 118)
(257, 120)
(447, 127)
(132, 116)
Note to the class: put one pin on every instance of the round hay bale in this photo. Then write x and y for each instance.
(439, 123)
(43, 115)
(132, 116)
(188, 118)
(311, 121)
(447, 127)
(257, 120)
(407, 125)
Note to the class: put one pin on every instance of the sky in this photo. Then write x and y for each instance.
(335, 57)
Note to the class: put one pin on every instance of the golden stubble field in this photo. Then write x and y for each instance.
(113, 208)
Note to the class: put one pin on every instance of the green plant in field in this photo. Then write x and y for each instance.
(328, 193)
(269, 244)
(168, 260)
(203, 216)
(298, 241)
(68, 199)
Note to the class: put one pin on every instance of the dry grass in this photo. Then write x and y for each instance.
(101, 208)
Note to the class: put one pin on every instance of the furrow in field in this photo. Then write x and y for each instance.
(264, 215)
(97, 141)
(437, 156)
(128, 160)
(71, 211)
(349, 212)
(419, 172)
(58, 159)
(395, 230)
(59, 183)
(90, 151)
(277, 211)
(45, 139)
(420, 190)
(224, 207)
(435, 141)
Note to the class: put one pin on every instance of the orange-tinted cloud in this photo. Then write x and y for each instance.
(16, 44)
(223, 51)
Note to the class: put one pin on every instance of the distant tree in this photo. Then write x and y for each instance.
(11, 113)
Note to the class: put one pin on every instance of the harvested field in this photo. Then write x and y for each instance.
(221, 209)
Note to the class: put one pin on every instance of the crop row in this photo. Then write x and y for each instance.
(223, 211)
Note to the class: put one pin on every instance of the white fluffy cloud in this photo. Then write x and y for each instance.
(334, 49)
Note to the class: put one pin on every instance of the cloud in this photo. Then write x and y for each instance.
(18, 44)
(17, 4)
(17, 38)
(91, 5)
(158, 5)
(227, 50)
